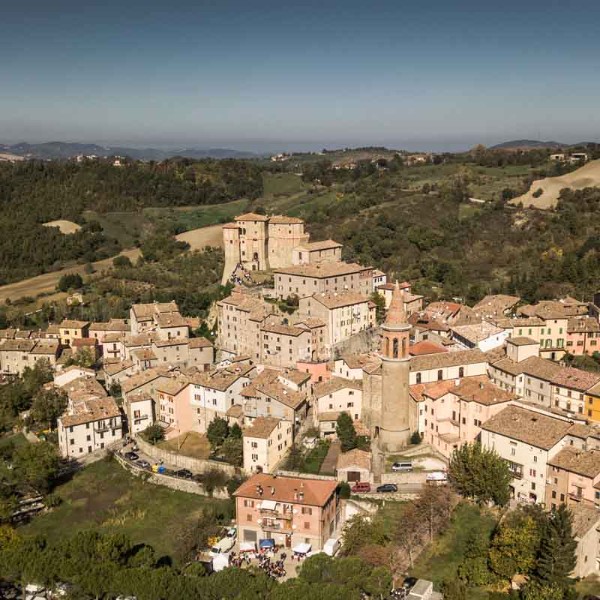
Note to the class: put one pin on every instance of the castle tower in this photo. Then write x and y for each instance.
(393, 431)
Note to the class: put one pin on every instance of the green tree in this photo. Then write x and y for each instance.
(557, 557)
(121, 262)
(454, 589)
(346, 432)
(35, 466)
(480, 473)
(217, 431)
(154, 433)
(515, 545)
(235, 431)
(70, 281)
(47, 406)
(474, 569)
(233, 451)
(379, 302)
(415, 438)
(535, 590)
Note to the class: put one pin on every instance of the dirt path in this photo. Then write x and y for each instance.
(197, 238)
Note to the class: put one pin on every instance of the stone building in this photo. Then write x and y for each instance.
(258, 243)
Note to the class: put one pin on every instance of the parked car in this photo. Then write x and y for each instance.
(388, 487)
(131, 456)
(231, 532)
(361, 486)
(402, 467)
(184, 474)
(143, 463)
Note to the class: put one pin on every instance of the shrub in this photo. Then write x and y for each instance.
(154, 433)
(344, 489)
(415, 438)
(53, 500)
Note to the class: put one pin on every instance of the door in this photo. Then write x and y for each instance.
(288, 541)
(353, 476)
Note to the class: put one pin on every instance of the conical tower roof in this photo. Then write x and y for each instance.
(396, 316)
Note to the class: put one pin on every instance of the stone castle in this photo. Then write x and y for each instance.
(258, 243)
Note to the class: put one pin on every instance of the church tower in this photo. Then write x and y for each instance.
(393, 431)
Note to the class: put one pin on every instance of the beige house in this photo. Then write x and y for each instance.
(413, 303)
(333, 397)
(323, 278)
(18, 354)
(273, 394)
(451, 412)
(92, 420)
(527, 440)
(586, 529)
(266, 442)
(574, 478)
(71, 330)
(344, 314)
(354, 465)
(100, 330)
(147, 317)
(447, 365)
(314, 253)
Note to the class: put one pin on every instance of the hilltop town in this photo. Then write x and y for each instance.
(326, 387)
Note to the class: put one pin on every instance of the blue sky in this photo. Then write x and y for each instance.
(265, 75)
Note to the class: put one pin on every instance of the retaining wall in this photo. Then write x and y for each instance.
(172, 459)
(174, 483)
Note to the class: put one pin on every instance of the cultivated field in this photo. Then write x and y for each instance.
(198, 239)
(587, 176)
(65, 227)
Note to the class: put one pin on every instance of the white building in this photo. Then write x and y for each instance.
(526, 439)
(266, 442)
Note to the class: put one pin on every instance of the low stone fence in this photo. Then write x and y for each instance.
(174, 483)
(172, 459)
(305, 475)
(412, 478)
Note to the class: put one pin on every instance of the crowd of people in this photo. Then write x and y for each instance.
(266, 562)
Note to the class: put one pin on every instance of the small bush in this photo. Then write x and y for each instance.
(53, 500)
(538, 193)
(344, 489)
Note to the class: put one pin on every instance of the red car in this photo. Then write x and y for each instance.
(361, 486)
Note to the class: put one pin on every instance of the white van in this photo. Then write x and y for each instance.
(331, 546)
(222, 546)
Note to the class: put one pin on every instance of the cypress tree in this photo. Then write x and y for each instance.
(557, 551)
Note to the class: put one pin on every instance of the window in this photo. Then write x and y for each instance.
(306, 525)
(461, 372)
(440, 375)
(306, 510)
(418, 377)
(72, 442)
(553, 494)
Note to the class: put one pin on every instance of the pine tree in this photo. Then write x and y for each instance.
(346, 432)
(557, 552)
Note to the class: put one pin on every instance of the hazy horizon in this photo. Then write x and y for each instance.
(268, 77)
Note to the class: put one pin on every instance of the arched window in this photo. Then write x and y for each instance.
(387, 346)
(403, 347)
(395, 352)
(461, 372)
(440, 375)
(418, 377)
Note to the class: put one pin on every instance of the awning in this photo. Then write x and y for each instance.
(302, 549)
(266, 543)
(220, 562)
(268, 504)
(247, 547)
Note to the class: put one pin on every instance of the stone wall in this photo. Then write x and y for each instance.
(305, 475)
(179, 461)
(412, 478)
(360, 343)
(174, 483)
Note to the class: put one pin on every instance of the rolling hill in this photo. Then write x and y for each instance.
(586, 177)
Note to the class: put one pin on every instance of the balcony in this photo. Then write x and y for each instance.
(516, 474)
(275, 514)
(276, 527)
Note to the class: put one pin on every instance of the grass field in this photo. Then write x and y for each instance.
(190, 444)
(106, 497)
(126, 227)
(282, 184)
(441, 560)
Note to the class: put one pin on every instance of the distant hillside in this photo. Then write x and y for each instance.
(544, 193)
(526, 144)
(65, 150)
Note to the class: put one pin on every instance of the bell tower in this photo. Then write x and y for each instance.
(393, 431)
